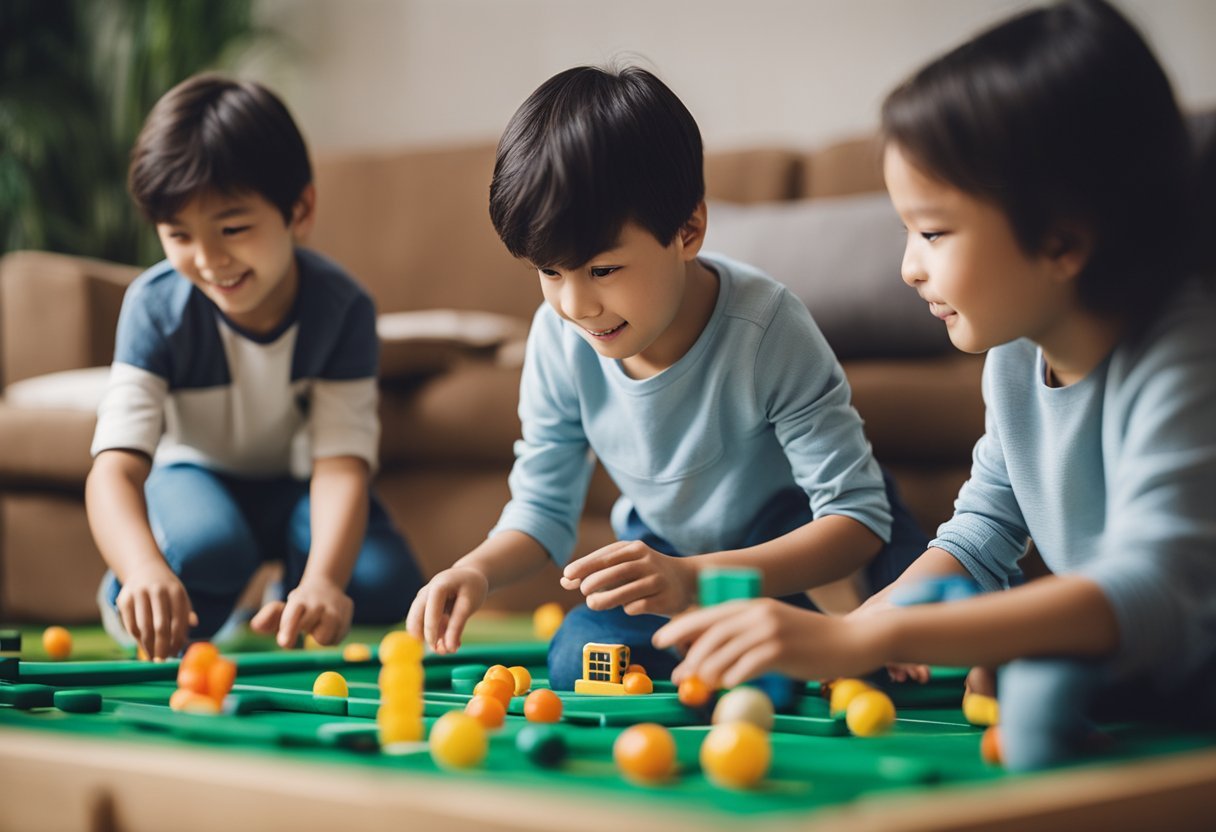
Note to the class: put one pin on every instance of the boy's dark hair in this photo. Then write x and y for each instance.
(216, 133)
(1062, 117)
(590, 150)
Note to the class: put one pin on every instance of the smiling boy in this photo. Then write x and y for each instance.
(702, 386)
(239, 425)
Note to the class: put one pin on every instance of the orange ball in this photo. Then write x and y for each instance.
(499, 671)
(543, 705)
(638, 683)
(693, 692)
(496, 688)
(990, 746)
(487, 710)
(193, 678)
(57, 642)
(523, 679)
(201, 654)
(220, 678)
(636, 668)
(645, 753)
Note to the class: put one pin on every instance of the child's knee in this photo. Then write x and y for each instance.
(1044, 711)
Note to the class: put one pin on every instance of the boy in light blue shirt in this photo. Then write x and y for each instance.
(702, 385)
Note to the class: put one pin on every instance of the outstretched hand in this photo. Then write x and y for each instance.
(727, 644)
(318, 608)
(631, 575)
(442, 607)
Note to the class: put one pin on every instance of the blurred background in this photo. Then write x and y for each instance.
(79, 75)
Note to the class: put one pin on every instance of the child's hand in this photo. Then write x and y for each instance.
(156, 611)
(317, 606)
(876, 605)
(631, 575)
(727, 644)
(443, 607)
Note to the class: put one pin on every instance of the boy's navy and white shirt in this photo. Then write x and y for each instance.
(189, 386)
(757, 406)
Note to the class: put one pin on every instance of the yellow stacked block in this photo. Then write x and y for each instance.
(401, 677)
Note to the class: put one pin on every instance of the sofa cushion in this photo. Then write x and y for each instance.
(841, 256)
(45, 447)
(422, 343)
(65, 390)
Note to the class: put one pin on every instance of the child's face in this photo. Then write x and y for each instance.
(239, 252)
(631, 302)
(963, 259)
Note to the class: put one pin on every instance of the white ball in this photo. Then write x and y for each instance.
(745, 704)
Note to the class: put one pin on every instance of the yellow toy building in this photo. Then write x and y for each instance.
(603, 669)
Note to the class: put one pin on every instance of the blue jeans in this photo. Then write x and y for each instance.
(1049, 707)
(788, 511)
(215, 531)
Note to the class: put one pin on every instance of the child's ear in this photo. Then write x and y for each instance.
(692, 233)
(1069, 247)
(304, 213)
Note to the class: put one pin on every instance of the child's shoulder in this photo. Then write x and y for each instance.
(1183, 333)
(750, 293)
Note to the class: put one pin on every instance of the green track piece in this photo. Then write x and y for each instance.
(508, 654)
(810, 726)
(81, 674)
(25, 696)
(349, 735)
(464, 686)
(249, 698)
(476, 672)
(78, 701)
(10, 641)
(10, 669)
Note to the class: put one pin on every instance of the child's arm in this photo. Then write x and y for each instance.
(442, 607)
(729, 643)
(631, 575)
(319, 605)
(153, 603)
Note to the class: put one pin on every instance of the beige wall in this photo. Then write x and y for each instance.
(384, 73)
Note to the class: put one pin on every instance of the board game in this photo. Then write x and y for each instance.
(86, 744)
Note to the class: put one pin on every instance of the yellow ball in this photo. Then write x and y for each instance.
(57, 642)
(405, 679)
(355, 652)
(980, 709)
(523, 679)
(311, 643)
(736, 755)
(843, 691)
(547, 618)
(870, 713)
(458, 740)
(330, 683)
(400, 647)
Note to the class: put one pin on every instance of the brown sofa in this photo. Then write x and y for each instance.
(413, 227)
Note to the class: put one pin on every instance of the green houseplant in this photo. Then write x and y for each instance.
(77, 78)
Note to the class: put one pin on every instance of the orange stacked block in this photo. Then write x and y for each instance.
(204, 678)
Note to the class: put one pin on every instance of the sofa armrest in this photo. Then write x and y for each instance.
(57, 312)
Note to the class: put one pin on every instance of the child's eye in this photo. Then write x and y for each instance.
(548, 272)
(930, 236)
(178, 236)
(603, 271)
(235, 229)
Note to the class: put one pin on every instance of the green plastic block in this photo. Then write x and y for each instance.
(10, 641)
(719, 585)
(9, 669)
(78, 701)
(25, 697)
(475, 672)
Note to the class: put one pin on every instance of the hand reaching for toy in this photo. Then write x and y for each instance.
(442, 607)
(897, 671)
(727, 644)
(631, 575)
(318, 607)
(155, 610)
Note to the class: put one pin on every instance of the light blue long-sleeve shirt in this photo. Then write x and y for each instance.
(1114, 478)
(758, 405)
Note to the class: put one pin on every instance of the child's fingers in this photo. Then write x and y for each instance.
(267, 618)
(633, 594)
(685, 628)
(721, 647)
(327, 629)
(413, 619)
(289, 624)
(436, 611)
(462, 608)
(162, 623)
(610, 577)
(613, 553)
(142, 609)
